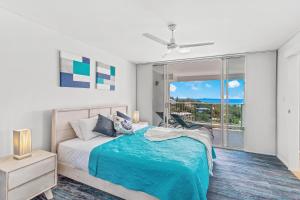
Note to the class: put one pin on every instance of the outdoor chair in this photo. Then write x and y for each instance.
(172, 123)
(192, 126)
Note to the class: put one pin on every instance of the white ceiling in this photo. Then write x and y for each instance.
(116, 26)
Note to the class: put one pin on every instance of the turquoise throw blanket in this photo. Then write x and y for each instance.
(175, 169)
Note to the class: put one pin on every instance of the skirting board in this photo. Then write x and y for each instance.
(283, 160)
(297, 174)
(117, 190)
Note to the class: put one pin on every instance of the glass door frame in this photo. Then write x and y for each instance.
(225, 102)
(224, 85)
(222, 74)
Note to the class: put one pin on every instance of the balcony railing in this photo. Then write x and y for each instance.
(210, 114)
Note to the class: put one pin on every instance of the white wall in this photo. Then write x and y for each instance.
(260, 103)
(145, 92)
(288, 99)
(29, 79)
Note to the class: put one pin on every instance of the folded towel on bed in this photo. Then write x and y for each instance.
(161, 134)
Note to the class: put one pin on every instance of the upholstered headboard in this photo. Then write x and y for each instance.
(61, 129)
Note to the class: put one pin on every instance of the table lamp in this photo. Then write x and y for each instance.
(135, 116)
(22, 143)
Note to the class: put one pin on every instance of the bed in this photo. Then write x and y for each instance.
(75, 157)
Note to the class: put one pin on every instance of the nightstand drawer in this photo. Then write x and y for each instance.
(31, 172)
(33, 187)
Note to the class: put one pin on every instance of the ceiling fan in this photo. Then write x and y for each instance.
(171, 45)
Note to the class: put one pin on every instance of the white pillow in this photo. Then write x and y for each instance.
(76, 128)
(87, 126)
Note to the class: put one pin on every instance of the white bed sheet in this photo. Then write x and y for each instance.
(76, 152)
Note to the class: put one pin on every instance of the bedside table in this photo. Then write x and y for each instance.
(27, 178)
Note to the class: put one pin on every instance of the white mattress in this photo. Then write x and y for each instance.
(76, 152)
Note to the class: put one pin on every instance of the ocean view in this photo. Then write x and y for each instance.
(208, 91)
(218, 101)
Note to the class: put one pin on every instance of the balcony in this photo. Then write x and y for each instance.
(210, 114)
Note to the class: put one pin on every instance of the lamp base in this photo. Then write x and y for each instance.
(22, 156)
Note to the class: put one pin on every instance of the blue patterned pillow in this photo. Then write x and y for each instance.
(122, 126)
(124, 116)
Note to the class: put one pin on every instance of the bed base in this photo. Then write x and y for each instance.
(62, 131)
(100, 184)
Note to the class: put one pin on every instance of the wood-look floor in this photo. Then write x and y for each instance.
(240, 175)
(237, 176)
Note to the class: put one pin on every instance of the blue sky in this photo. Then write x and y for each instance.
(206, 89)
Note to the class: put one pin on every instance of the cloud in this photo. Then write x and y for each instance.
(194, 87)
(233, 84)
(207, 85)
(172, 88)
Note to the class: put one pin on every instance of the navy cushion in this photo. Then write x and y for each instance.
(105, 126)
(124, 116)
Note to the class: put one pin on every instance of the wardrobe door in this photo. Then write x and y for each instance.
(292, 112)
(282, 112)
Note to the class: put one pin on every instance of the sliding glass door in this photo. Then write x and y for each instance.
(195, 94)
(207, 93)
(233, 102)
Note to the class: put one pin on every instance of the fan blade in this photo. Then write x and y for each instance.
(154, 38)
(196, 44)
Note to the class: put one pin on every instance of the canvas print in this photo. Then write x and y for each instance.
(105, 77)
(74, 71)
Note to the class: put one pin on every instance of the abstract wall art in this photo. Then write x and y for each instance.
(74, 71)
(105, 77)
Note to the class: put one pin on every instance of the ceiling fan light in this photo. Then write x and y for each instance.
(184, 50)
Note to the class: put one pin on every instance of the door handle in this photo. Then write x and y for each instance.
(289, 111)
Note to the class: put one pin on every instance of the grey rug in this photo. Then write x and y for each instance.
(237, 176)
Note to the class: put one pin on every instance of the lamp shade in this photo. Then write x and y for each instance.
(136, 116)
(22, 143)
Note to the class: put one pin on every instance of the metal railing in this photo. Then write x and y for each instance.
(210, 114)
